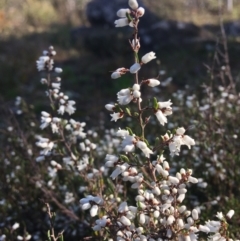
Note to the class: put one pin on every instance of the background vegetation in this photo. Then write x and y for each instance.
(29, 26)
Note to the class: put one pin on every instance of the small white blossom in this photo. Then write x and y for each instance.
(109, 107)
(148, 57)
(152, 82)
(143, 146)
(116, 116)
(135, 68)
(230, 214)
(140, 11)
(122, 22)
(133, 4)
(58, 70)
(122, 13)
(15, 226)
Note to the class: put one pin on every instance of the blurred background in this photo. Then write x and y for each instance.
(184, 34)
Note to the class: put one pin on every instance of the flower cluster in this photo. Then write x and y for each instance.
(158, 212)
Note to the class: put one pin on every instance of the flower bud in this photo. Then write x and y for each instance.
(133, 4)
(58, 70)
(204, 229)
(122, 13)
(140, 11)
(109, 107)
(182, 209)
(115, 75)
(192, 179)
(153, 82)
(180, 131)
(195, 214)
(170, 220)
(142, 218)
(135, 68)
(125, 221)
(230, 214)
(93, 211)
(122, 22)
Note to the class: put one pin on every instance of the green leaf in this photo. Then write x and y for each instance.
(130, 131)
(146, 141)
(128, 111)
(155, 103)
(129, 17)
(49, 235)
(124, 158)
(61, 238)
(111, 186)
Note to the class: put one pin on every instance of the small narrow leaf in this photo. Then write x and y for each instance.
(155, 103)
(49, 235)
(130, 131)
(124, 158)
(128, 111)
(61, 238)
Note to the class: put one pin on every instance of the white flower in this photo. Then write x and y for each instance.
(70, 109)
(165, 105)
(123, 207)
(219, 215)
(116, 116)
(148, 57)
(170, 220)
(122, 133)
(109, 107)
(119, 170)
(140, 11)
(180, 131)
(111, 160)
(133, 4)
(142, 218)
(161, 117)
(15, 226)
(136, 87)
(45, 119)
(124, 96)
(45, 144)
(58, 70)
(93, 211)
(125, 221)
(115, 75)
(87, 202)
(230, 214)
(61, 109)
(188, 141)
(128, 144)
(136, 94)
(122, 13)
(192, 179)
(143, 146)
(122, 22)
(195, 214)
(42, 63)
(135, 68)
(153, 82)
(118, 73)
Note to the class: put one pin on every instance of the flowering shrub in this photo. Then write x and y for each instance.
(135, 194)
